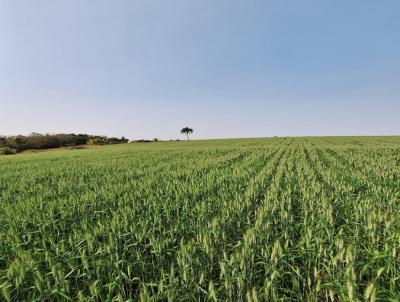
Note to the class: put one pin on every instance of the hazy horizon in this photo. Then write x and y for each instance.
(145, 69)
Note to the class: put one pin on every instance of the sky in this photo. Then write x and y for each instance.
(226, 68)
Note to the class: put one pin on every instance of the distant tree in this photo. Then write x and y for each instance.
(3, 141)
(187, 131)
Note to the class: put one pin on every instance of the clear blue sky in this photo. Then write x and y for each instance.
(145, 69)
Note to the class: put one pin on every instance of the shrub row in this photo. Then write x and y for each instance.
(37, 141)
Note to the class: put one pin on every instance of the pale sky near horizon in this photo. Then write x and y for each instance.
(145, 69)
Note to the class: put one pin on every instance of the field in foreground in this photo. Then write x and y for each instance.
(283, 219)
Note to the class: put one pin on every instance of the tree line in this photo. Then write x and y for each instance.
(36, 141)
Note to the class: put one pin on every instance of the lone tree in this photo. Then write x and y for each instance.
(187, 131)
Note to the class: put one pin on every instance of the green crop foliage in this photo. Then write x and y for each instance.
(278, 219)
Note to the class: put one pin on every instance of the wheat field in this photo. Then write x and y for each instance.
(275, 219)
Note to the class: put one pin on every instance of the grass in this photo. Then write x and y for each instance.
(280, 219)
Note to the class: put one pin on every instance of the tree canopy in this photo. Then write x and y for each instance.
(187, 131)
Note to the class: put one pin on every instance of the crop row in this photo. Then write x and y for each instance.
(283, 219)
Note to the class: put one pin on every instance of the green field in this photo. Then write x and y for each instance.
(279, 219)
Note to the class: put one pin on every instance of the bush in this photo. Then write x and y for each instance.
(97, 141)
(7, 151)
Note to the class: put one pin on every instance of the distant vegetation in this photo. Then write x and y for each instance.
(13, 144)
(36, 141)
(155, 140)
